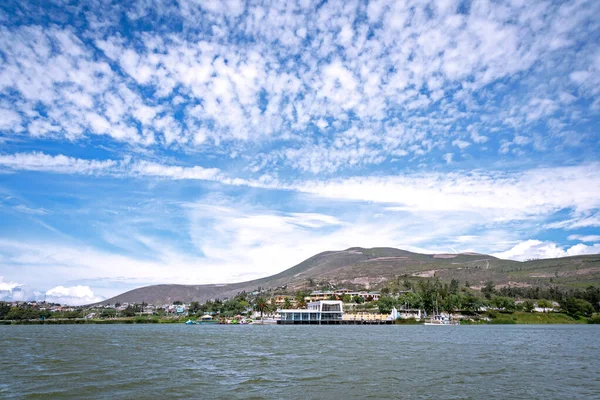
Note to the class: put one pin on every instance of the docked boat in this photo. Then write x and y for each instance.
(442, 320)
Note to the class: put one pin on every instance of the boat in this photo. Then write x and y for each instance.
(269, 321)
(442, 320)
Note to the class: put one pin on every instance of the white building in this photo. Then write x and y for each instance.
(317, 312)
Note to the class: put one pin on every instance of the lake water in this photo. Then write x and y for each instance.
(299, 362)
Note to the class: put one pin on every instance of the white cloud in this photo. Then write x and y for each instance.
(72, 295)
(13, 291)
(373, 68)
(581, 220)
(68, 165)
(477, 138)
(145, 168)
(497, 196)
(10, 120)
(58, 164)
(461, 144)
(534, 249)
(7, 286)
(28, 210)
(585, 238)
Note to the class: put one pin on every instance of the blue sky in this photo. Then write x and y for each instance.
(215, 141)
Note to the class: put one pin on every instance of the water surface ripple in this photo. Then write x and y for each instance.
(299, 362)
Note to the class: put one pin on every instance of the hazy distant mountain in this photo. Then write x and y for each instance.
(372, 268)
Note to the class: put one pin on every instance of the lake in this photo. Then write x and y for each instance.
(300, 362)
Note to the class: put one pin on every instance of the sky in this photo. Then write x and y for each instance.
(194, 142)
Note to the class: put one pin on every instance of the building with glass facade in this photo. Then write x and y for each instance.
(317, 312)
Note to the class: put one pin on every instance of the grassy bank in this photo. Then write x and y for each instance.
(534, 318)
(133, 320)
(408, 321)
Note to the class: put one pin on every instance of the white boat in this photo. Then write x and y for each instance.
(266, 321)
(442, 320)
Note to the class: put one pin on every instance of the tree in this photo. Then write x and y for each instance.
(194, 307)
(4, 309)
(451, 303)
(577, 307)
(358, 299)
(385, 291)
(592, 295)
(471, 303)
(300, 299)
(234, 306)
(128, 312)
(503, 303)
(543, 303)
(15, 313)
(108, 313)
(385, 304)
(177, 303)
(411, 300)
(287, 304)
(301, 303)
(431, 292)
(261, 306)
(73, 314)
(346, 298)
(453, 286)
(528, 306)
(488, 290)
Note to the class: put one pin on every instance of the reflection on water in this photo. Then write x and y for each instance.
(215, 361)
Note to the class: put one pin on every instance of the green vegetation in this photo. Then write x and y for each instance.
(505, 305)
(261, 306)
(491, 304)
(595, 319)
(520, 317)
(407, 321)
(577, 307)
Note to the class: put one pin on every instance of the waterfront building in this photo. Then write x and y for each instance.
(319, 295)
(326, 295)
(317, 312)
(279, 300)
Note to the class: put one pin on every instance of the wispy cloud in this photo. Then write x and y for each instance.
(502, 195)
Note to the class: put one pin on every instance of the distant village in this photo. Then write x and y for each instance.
(336, 306)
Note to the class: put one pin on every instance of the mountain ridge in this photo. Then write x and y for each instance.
(372, 268)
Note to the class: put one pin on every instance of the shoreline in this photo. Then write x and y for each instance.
(517, 318)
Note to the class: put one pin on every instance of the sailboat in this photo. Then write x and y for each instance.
(441, 320)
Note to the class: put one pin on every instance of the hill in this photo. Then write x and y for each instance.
(373, 268)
